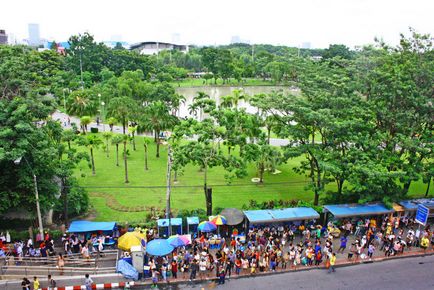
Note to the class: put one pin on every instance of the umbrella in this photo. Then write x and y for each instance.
(130, 239)
(207, 227)
(219, 220)
(159, 247)
(178, 241)
(233, 216)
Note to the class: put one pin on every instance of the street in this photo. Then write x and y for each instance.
(410, 273)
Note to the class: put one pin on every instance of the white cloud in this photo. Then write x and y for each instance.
(352, 22)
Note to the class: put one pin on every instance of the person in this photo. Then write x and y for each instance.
(222, 276)
(344, 241)
(51, 283)
(371, 250)
(194, 267)
(60, 263)
(154, 279)
(36, 284)
(25, 284)
(88, 282)
(332, 263)
(174, 266)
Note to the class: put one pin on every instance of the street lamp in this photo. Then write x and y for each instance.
(103, 115)
(38, 209)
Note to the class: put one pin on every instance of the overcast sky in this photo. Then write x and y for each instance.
(290, 22)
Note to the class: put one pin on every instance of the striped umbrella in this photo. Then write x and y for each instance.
(219, 220)
(207, 227)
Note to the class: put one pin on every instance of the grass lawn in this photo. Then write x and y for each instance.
(187, 193)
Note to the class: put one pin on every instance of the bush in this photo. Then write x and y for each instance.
(93, 130)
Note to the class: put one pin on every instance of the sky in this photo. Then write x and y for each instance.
(202, 22)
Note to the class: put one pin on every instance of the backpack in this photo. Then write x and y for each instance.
(53, 283)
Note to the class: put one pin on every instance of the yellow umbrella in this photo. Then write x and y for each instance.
(130, 239)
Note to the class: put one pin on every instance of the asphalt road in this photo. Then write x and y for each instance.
(410, 273)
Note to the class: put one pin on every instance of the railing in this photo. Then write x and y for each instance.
(75, 264)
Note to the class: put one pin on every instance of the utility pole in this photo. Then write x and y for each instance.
(168, 187)
(38, 209)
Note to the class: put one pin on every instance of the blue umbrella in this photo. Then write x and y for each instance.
(159, 247)
(207, 227)
(178, 241)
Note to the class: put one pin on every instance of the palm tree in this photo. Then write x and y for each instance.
(68, 136)
(82, 103)
(107, 136)
(116, 140)
(91, 142)
(146, 143)
(132, 130)
(202, 103)
(125, 140)
(121, 108)
(84, 122)
(157, 118)
(111, 122)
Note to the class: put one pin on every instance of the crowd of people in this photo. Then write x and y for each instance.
(274, 248)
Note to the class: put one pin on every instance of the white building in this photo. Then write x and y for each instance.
(34, 36)
(153, 47)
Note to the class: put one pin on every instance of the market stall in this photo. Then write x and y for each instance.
(279, 216)
(163, 226)
(350, 211)
(192, 223)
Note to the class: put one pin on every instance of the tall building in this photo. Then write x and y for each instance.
(3, 37)
(34, 36)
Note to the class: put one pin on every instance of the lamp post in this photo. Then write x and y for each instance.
(103, 116)
(35, 182)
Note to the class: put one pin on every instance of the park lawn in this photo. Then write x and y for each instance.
(147, 188)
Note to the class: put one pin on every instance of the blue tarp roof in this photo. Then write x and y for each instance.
(350, 210)
(412, 204)
(281, 215)
(192, 220)
(87, 226)
(173, 222)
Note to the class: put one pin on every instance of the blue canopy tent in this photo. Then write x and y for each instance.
(163, 226)
(268, 216)
(192, 223)
(87, 226)
(356, 210)
(411, 205)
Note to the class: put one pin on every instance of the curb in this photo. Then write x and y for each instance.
(97, 286)
(259, 274)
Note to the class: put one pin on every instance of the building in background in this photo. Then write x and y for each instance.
(34, 36)
(3, 37)
(153, 47)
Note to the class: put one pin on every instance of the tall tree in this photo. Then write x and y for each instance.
(121, 108)
(91, 142)
(116, 140)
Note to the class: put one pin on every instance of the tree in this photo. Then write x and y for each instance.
(84, 122)
(111, 122)
(156, 117)
(337, 50)
(146, 143)
(121, 108)
(82, 103)
(124, 141)
(91, 142)
(203, 152)
(68, 136)
(107, 136)
(132, 131)
(265, 157)
(116, 140)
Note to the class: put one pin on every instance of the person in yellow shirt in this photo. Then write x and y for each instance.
(424, 243)
(36, 284)
(332, 263)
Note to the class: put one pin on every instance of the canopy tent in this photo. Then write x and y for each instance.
(233, 216)
(280, 215)
(411, 205)
(357, 210)
(163, 226)
(87, 226)
(192, 223)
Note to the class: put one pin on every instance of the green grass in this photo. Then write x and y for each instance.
(188, 191)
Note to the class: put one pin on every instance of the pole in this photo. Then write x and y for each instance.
(81, 71)
(38, 209)
(168, 188)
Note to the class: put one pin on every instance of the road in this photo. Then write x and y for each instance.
(62, 117)
(410, 273)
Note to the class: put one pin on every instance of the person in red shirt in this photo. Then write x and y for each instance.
(174, 266)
